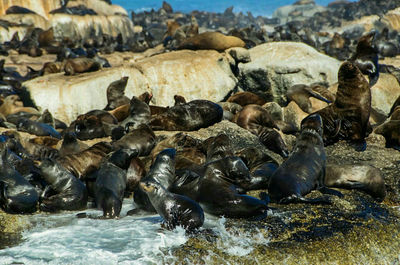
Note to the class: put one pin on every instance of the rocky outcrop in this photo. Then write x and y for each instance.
(110, 19)
(276, 66)
(300, 11)
(192, 74)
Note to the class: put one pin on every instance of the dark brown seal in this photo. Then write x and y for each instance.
(391, 131)
(190, 116)
(141, 139)
(347, 118)
(304, 170)
(366, 57)
(116, 94)
(79, 164)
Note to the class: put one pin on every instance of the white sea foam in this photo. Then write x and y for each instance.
(64, 239)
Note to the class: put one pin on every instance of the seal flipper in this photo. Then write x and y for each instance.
(326, 190)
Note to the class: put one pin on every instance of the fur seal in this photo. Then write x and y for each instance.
(120, 113)
(17, 195)
(258, 121)
(191, 116)
(70, 192)
(347, 118)
(94, 124)
(13, 104)
(211, 41)
(80, 65)
(391, 131)
(161, 171)
(115, 94)
(134, 174)
(217, 195)
(37, 128)
(139, 112)
(304, 170)
(245, 98)
(141, 139)
(366, 57)
(110, 189)
(301, 94)
(71, 145)
(217, 147)
(175, 209)
(362, 177)
(261, 167)
(79, 164)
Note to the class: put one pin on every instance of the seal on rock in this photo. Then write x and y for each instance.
(211, 41)
(347, 118)
(175, 209)
(70, 192)
(304, 170)
(115, 94)
(191, 116)
(80, 65)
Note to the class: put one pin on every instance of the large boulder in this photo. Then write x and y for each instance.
(192, 74)
(276, 66)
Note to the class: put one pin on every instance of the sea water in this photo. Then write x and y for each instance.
(256, 7)
(65, 239)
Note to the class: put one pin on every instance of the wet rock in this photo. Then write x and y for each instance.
(277, 66)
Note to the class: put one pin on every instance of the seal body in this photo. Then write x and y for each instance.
(141, 139)
(80, 65)
(304, 170)
(115, 94)
(109, 189)
(17, 195)
(161, 171)
(191, 116)
(70, 192)
(362, 177)
(37, 128)
(211, 41)
(175, 209)
(347, 118)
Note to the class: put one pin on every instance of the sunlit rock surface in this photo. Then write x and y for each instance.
(192, 74)
(276, 66)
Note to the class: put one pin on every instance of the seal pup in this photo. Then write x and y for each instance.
(304, 170)
(37, 128)
(116, 94)
(347, 118)
(361, 177)
(175, 209)
(70, 192)
(110, 189)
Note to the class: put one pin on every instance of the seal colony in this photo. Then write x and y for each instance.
(131, 147)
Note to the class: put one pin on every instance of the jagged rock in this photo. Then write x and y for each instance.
(277, 66)
(192, 74)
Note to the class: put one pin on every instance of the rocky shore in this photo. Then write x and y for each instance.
(302, 44)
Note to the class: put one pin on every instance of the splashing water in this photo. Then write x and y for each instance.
(64, 239)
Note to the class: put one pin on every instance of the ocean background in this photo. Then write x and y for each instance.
(256, 7)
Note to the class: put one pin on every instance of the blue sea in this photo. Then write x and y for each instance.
(256, 7)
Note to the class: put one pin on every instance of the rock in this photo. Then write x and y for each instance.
(191, 74)
(241, 55)
(277, 66)
(275, 110)
(306, 9)
(293, 114)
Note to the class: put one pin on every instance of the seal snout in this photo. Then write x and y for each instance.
(313, 121)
